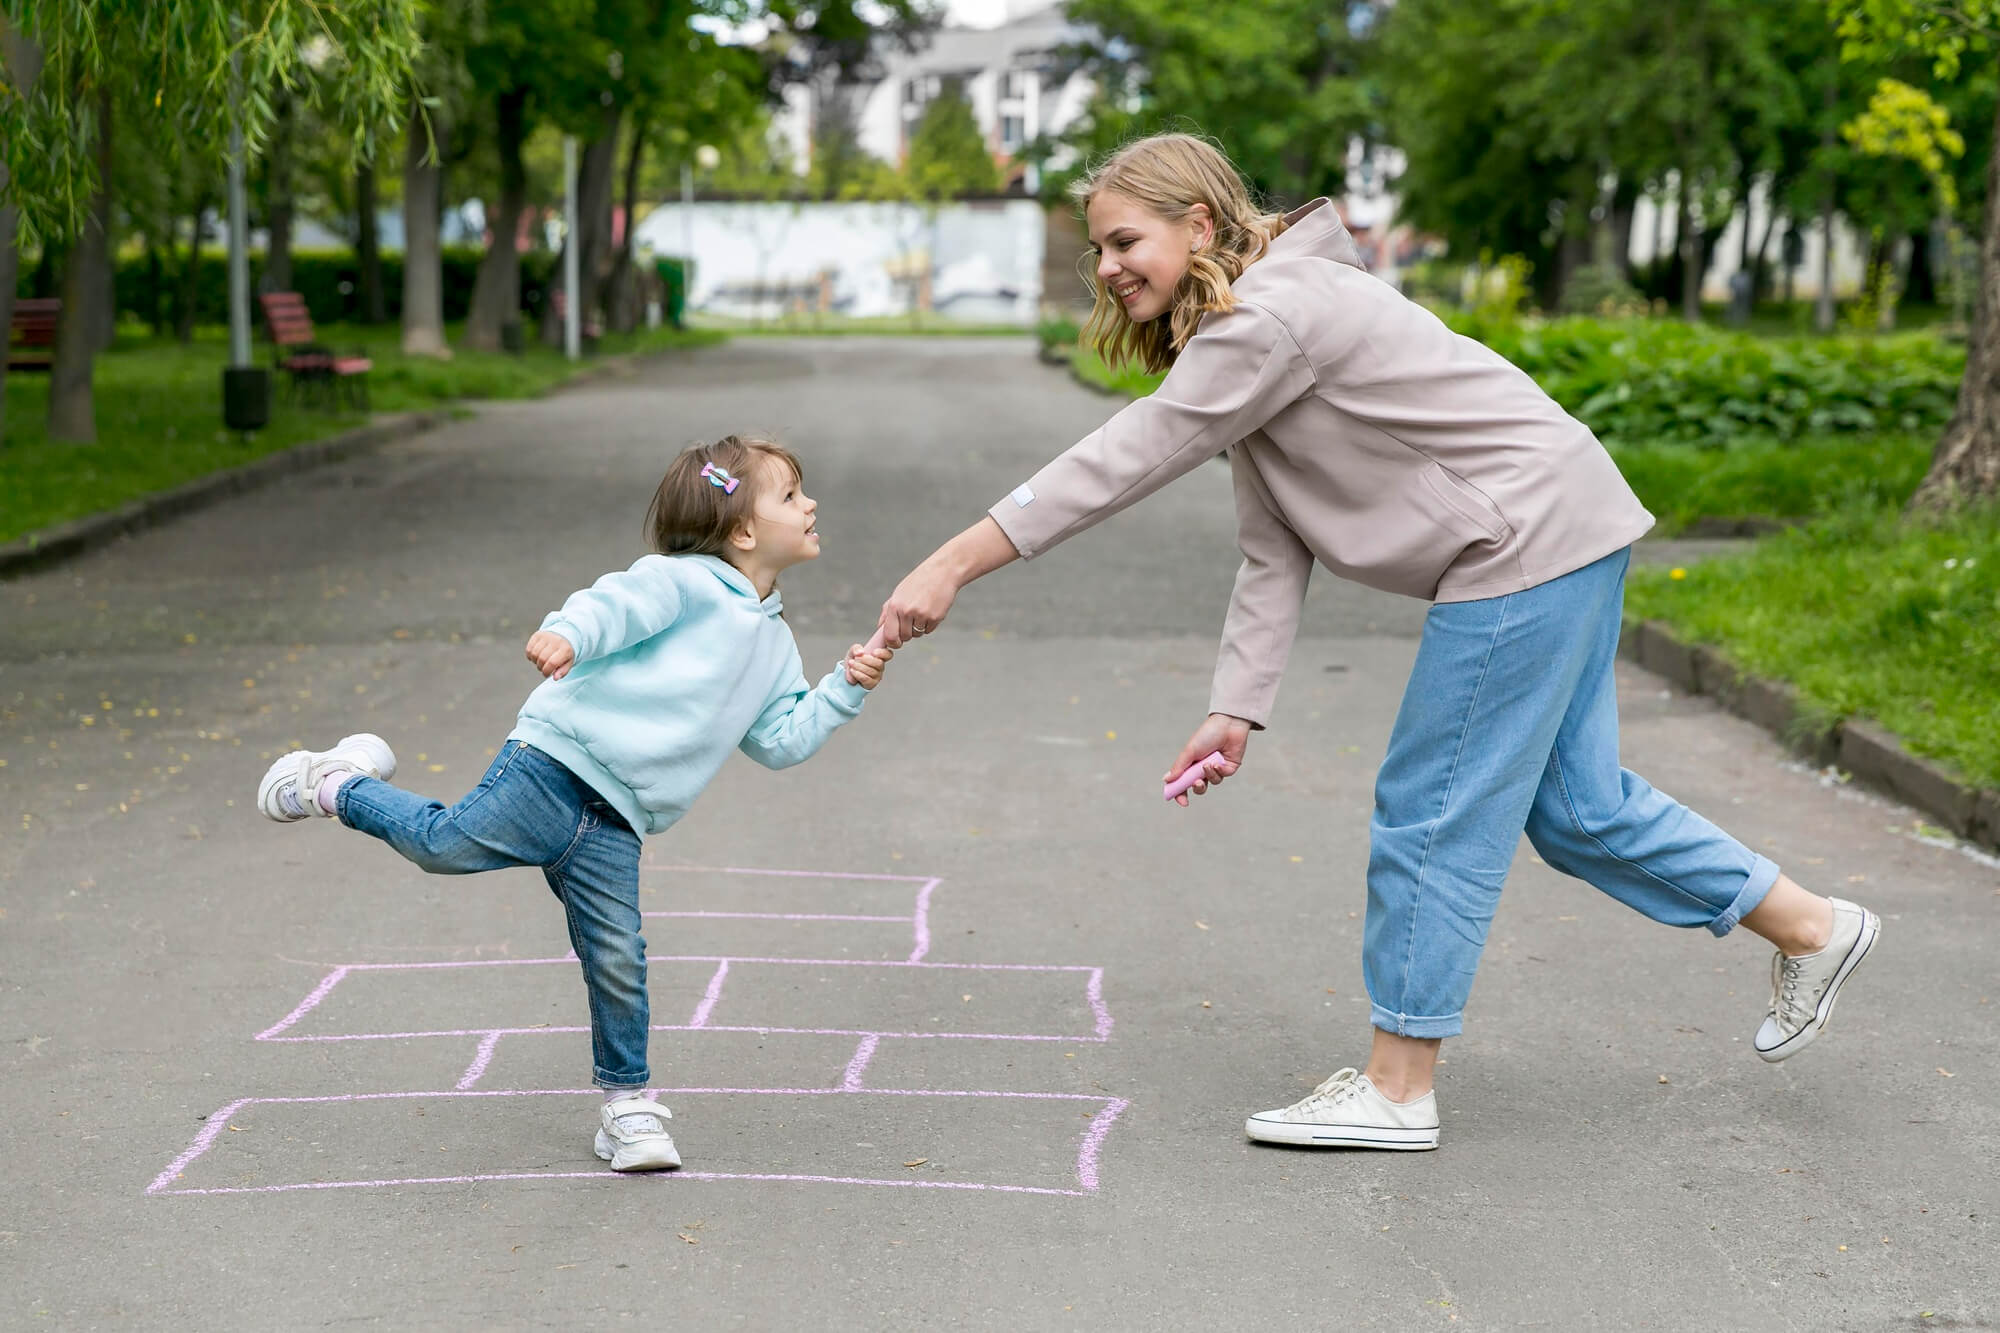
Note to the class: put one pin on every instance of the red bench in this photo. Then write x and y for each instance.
(31, 335)
(311, 368)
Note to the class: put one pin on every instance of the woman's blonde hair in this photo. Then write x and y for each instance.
(1168, 174)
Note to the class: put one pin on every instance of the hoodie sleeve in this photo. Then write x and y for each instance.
(1238, 372)
(1264, 608)
(620, 609)
(796, 720)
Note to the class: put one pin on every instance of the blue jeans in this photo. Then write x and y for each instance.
(529, 810)
(1510, 724)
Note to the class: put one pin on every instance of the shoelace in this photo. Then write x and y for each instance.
(1344, 1085)
(1787, 1006)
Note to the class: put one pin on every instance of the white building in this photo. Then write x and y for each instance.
(1009, 73)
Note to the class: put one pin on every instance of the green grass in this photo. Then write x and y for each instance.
(1778, 479)
(159, 414)
(831, 326)
(1868, 615)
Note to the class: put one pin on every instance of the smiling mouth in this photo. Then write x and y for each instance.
(1127, 293)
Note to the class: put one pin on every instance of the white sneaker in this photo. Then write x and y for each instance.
(1347, 1111)
(1803, 989)
(632, 1136)
(290, 787)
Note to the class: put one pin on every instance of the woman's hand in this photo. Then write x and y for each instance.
(919, 604)
(1230, 735)
(551, 653)
(924, 597)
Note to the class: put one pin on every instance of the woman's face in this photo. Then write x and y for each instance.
(1141, 256)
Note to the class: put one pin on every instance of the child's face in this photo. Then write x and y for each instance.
(783, 517)
(1141, 256)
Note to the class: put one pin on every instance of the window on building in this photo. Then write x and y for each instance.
(1013, 129)
(1014, 84)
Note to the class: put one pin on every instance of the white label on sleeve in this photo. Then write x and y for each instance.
(1023, 497)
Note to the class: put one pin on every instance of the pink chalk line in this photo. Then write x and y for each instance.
(1093, 992)
(789, 874)
(705, 1027)
(711, 996)
(851, 1080)
(922, 927)
(482, 1058)
(1087, 1154)
(780, 916)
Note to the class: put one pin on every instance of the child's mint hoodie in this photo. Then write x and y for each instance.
(677, 663)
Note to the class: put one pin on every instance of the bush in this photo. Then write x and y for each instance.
(1667, 381)
(330, 281)
(1057, 333)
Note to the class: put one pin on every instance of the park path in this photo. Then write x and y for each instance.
(963, 1022)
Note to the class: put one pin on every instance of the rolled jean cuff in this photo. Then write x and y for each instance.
(610, 1084)
(1416, 1025)
(1763, 874)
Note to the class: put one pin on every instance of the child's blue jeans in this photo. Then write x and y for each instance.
(529, 810)
(1510, 722)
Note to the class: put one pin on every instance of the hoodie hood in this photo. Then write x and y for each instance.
(1316, 229)
(737, 581)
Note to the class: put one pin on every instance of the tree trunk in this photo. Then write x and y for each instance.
(277, 274)
(1624, 209)
(22, 62)
(187, 290)
(1966, 466)
(1920, 286)
(1690, 248)
(1886, 289)
(423, 270)
(1823, 303)
(622, 287)
(368, 245)
(496, 292)
(591, 227)
(72, 409)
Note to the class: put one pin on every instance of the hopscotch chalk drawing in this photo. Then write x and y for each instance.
(833, 979)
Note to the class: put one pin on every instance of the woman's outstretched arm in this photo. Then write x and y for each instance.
(924, 597)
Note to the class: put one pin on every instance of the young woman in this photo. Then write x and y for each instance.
(1365, 436)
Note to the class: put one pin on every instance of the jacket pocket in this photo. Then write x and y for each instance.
(1468, 504)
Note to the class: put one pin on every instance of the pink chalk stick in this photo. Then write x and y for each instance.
(1193, 774)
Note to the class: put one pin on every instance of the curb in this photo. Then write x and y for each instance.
(68, 540)
(1873, 756)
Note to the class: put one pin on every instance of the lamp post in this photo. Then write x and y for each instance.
(706, 157)
(246, 389)
(572, 317)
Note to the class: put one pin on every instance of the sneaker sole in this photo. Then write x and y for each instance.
(1871, 930)
(646, 1155)
(1340, 1136)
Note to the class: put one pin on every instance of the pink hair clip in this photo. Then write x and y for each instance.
(717, 477)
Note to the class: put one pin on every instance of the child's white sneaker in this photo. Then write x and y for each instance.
(1803, 989)
(1347, 1111)
(632, 1135)
(291, 785)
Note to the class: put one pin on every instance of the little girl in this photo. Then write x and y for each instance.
(653, 676)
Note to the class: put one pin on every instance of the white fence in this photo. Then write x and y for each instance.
(973, 262)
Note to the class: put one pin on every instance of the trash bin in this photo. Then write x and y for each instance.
(674, 274)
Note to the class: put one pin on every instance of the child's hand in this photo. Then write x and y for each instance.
(551, 653)
(865, 668)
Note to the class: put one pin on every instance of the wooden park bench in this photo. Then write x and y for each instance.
(31, 335)
(312, 370)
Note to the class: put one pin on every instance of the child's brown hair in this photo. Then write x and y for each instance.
(697, 508)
